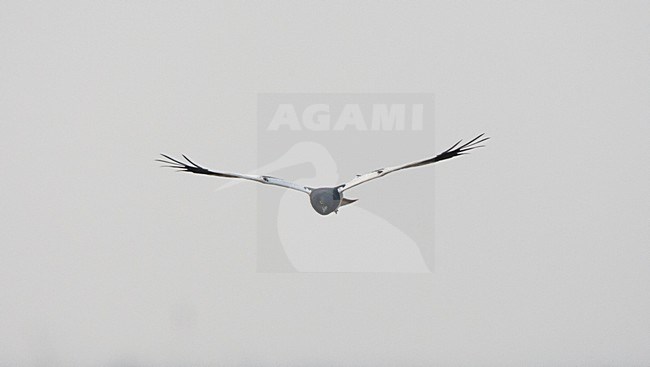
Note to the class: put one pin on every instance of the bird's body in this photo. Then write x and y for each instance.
(325, 200)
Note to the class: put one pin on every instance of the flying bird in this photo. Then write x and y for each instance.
(326, 200)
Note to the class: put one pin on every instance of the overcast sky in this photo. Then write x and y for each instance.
(542, 239)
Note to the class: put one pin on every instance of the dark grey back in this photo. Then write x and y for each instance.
(325, 200)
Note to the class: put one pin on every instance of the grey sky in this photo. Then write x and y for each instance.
(541, 239)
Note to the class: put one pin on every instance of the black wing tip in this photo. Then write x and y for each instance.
(180, 166)
(474, 143)
(456, 150)
(171, 160)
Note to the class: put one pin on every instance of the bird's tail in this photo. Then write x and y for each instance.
(346, 201)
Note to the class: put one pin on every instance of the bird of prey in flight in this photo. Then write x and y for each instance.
(326, 200)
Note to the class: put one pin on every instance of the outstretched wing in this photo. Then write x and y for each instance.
(454, 151)
(195, 168)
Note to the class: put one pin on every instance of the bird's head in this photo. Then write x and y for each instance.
(325, 200)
